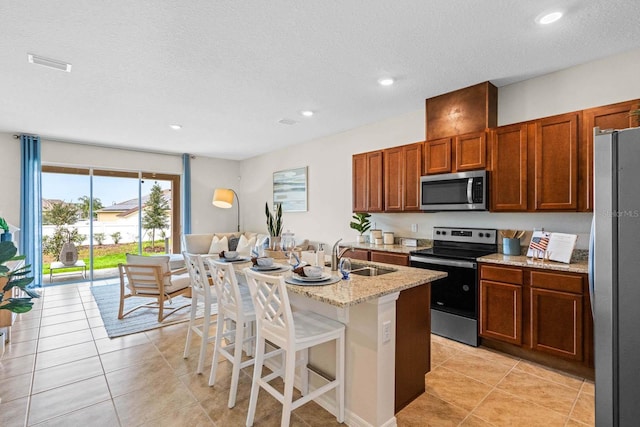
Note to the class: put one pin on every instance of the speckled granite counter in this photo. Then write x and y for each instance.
(398, 249)
(523, 261)
(360, 289)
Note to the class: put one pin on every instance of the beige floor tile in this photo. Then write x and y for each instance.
(139, 407)
(99, 332)
(63, 328)
(12, 413)
(314, 415)
(69, 398)
(476, 367)
(473, 421)
(105, 345)
(130, 356)
(100, 415)
(15, 387)
(454, 387)
(67, 354)
(574, 423)
(18, 366)
(428, 410)
(57, 376)
(588, 387)
(198, 384)
(550, 374)
(154, 374)
(95, 322)
(191, 415)
(71, 308)
(503, 409)
(19, 349)
(63, 318)
(64, 340)
(440, 353)
(25, 323)
(216, 407)
(492, 355)
(60, 302)
(93, 312)
(583, 410)
(24, 335)
(543, 392)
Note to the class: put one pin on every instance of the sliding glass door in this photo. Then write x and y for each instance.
(102, 215)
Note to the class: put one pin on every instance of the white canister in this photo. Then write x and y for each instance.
(376, 234)
(388, 238)
(379, 241)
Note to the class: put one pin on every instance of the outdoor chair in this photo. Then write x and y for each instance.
(151, 277)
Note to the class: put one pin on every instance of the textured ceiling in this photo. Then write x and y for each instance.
(229, 70)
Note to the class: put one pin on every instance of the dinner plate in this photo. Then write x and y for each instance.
(330, 281)
(268, 268)
(239, 259)
(312, 279)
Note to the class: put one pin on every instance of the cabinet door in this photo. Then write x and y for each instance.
(509, 168)
(393, 177)
(390, 258)
(361, 254)
(359, 182)
(556, 163)
(375, 188)
(615, 116)
(437, 156)
(471, 151)
(556, 323)
(501, 311)
(412, 170)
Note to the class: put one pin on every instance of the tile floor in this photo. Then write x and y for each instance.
(60, 369)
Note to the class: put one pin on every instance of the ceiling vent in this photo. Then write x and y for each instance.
(287, 122)
(47, 62)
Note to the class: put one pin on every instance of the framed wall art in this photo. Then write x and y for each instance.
(290, 189)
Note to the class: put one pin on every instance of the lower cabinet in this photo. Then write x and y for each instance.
(390, 258)
(542, 311)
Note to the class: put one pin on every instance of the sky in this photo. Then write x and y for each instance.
(109, 190)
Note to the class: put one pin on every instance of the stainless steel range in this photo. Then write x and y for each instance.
(454, 299)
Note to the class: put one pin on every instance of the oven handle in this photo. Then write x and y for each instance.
(470, 191)
(441, 261)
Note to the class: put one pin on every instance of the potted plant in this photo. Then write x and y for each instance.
(14, 279)
(6, 236)
(274, 224)
(361, 224)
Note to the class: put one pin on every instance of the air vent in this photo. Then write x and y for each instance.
(47, 62)
(287, 122)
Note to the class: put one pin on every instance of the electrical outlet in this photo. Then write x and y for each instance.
(386, 331)
(414, 228)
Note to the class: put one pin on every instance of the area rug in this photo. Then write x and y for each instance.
(108, 299)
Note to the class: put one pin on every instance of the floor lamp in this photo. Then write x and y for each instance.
(223, 198)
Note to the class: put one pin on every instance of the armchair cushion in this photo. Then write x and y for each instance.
(172, 282)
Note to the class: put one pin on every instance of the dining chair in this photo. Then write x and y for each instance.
(151, 277)
(201, 290)
(293, 332)
(236, 323)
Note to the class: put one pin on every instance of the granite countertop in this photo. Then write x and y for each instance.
(399, 249)
(523, 261)
(360, 289)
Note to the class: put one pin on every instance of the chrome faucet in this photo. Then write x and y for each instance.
(336, 254)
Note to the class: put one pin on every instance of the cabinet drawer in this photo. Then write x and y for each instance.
(361, 254)
(557, 281)
(501, 274)
(389, 258)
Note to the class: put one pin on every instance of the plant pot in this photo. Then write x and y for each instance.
(275, 243)
(360, 239)
(6, 237)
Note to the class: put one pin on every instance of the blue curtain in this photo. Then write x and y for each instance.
(31, 205)
(186, 194)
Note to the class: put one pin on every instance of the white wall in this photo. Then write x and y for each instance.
(10, 179)
(329, 159)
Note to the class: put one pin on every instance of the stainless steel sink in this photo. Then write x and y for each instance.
(367, 270)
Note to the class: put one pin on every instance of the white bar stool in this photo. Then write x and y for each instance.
(234, 308)
(292, 332)
(200, 290)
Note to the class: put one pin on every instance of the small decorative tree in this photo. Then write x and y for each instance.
(99, 238)
(361, 224)
(155, 213)
(116, 237)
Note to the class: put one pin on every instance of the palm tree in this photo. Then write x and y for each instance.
(85, 203)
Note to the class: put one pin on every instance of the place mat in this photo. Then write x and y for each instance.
(108, 299)
(330, 281)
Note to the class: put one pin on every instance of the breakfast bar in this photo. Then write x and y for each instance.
(367, 305)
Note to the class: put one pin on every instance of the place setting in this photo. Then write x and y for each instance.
(310, 275)
(267, 265)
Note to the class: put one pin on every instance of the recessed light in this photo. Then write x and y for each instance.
(386, 81)
(48, 62)
(306, 113)
(549, 18)
(175, 127)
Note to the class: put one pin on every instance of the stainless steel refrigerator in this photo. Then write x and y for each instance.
(615, 276)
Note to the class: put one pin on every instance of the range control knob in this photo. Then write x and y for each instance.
(481, 235)
(444, 233)
(438, 233)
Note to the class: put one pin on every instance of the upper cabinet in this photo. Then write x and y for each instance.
(437, 156)
(402, 167)
(509, 151)
(456, 154)
(367, 182)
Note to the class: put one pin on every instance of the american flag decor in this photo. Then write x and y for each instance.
(539, 243)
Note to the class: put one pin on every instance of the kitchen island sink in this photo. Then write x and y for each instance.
(367, 270)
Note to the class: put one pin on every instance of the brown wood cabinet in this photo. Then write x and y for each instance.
(509, 163)
(614, 116)
(402, 170)
(542, 311)
(456, 154)
(367, 182)
(390, 258)
(361, 254)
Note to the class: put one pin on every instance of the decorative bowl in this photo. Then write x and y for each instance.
(230, 254)
(312, 271)
(264, 262)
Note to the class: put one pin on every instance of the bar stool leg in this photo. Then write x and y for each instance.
(257, 373)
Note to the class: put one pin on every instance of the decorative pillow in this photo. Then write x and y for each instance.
(233, 243)
(245, 245)
(218, 245)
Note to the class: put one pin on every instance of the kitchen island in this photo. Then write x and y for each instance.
(368, 308)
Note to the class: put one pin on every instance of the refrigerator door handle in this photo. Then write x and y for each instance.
(592, 242)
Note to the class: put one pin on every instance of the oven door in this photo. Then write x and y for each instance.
(458, 292)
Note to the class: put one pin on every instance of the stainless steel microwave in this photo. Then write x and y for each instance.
(463, 191)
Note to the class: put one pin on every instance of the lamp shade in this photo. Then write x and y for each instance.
(223, 198)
